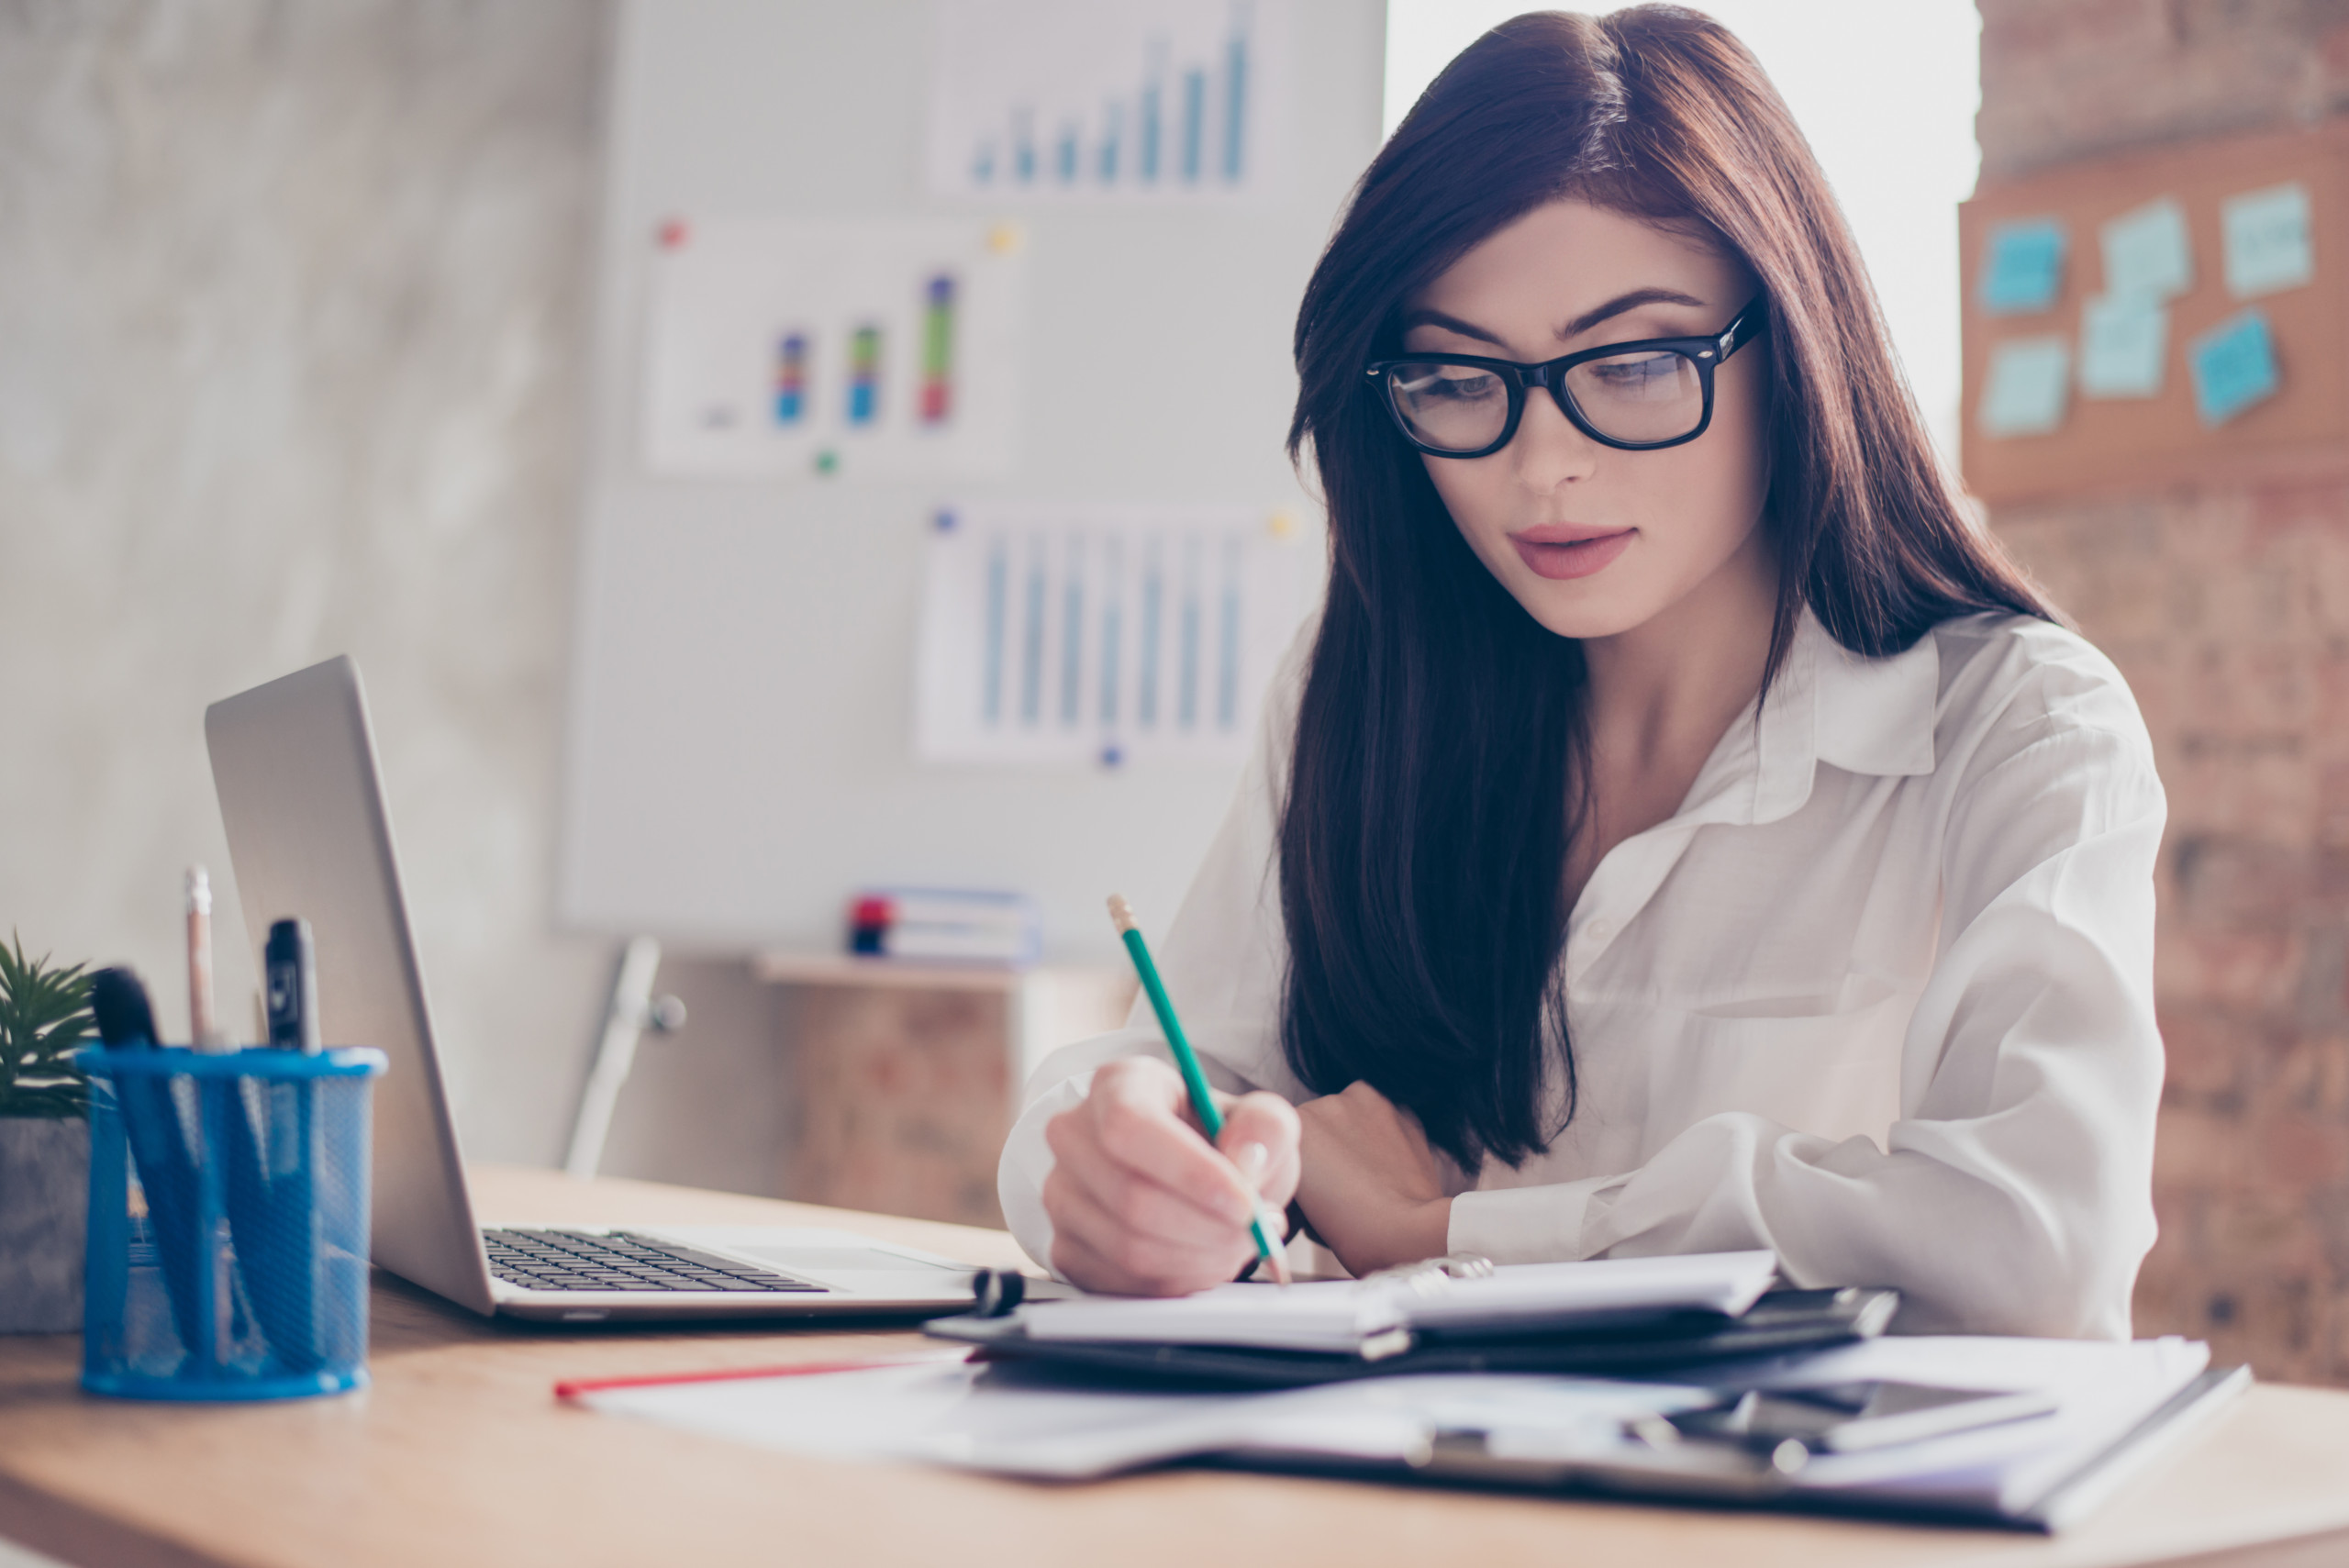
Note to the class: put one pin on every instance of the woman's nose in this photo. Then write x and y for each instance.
(1548, 449)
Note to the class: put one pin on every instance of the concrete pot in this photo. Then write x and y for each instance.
(44, 1207)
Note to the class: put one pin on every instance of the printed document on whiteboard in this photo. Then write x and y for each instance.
(1068, 633)
(1121, 101)
(828, 351)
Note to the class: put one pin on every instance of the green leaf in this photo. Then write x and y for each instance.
(44, 1018)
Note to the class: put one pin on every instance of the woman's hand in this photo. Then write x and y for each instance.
(1371, 1189)
(1141, 1203)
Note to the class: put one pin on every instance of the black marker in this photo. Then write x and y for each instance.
(159, 1145)
(292, 971)
(118, 1001)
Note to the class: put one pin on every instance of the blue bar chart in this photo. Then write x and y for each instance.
(1117, 100)
(1103, 635)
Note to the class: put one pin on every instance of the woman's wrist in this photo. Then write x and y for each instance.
(1421, 1231)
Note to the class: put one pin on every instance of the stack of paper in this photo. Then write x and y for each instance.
(2108, 1403)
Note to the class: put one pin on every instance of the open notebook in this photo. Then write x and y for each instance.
(1377, 1316)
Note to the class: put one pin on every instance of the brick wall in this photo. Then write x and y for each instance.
(2228, 608)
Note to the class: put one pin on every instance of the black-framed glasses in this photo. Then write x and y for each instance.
(1638, 397)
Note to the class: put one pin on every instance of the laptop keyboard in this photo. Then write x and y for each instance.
(572, 1260)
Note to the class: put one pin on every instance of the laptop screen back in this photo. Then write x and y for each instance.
(293, 764)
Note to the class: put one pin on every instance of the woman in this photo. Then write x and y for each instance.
(1682, 831)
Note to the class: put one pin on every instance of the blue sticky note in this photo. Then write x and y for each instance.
(2024, 393)
(2123, 340)
(2023, 267)
(2234, 367)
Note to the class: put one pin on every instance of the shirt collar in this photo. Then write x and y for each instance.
(1830, 704)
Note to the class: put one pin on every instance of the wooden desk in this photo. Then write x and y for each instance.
(461, 1454)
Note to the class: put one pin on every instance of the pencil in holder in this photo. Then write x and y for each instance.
(228, 1211)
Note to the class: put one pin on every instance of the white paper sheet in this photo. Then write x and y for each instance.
(2025, 392)
(1108, 100)
(2269, 246)
(1058, 633)
(2124, 339)
(832, 351)
(995, 1418)
(1337, 1314)
(2146, 251)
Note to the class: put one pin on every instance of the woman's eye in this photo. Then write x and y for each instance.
(1453, 385)
(1644, 370)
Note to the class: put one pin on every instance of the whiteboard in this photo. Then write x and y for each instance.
(740, 740)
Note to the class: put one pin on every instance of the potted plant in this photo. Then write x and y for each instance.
(44, 1142)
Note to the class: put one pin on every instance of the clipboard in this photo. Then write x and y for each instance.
(1724, 1474)
(1779, 1322)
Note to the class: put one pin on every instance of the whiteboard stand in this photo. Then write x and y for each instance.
(634, 1008)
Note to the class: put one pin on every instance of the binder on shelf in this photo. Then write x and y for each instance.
(945, 926)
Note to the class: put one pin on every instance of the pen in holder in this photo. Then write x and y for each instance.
(229, 1210)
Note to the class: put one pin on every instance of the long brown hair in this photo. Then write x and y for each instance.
(1440, 749)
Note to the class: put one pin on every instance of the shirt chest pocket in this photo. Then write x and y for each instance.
(1821, 1064)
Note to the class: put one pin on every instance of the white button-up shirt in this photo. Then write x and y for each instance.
(1879, 997)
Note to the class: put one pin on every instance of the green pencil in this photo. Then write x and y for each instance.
(1122, 914)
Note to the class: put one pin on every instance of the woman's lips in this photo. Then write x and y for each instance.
(1560, 553)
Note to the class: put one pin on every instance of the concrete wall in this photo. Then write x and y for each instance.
(291, 311)
(2228, 607)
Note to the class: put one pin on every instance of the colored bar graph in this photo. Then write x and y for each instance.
(1194, 122)
(1031, 641)
(864, 376)
(1113, 115)
(1153, 590)
(1112, 626)
(1150, 107)
(1165, 100)
(1235, 106)
(998, 595)
(938, 350)
(1073, 634)
(1186, 688)
(791, 379)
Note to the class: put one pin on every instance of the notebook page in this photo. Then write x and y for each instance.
(1320, 1315)
(1338, 1315)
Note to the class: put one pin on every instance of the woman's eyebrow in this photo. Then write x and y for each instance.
(1450, 323)
(1621, 303)
(1574, 328)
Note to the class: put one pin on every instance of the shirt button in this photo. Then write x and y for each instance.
(1601, 930)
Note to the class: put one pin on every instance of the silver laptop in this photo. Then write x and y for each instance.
(294, 762)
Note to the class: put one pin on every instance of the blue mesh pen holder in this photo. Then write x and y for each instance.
(227, 1247)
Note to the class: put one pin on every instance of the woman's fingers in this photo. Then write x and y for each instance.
(1269, 1123)
(1116, 1255)
(1079, 1260)
(1140, 1202)
(1134, 1110)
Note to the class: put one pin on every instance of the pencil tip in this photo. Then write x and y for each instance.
(1122, 914)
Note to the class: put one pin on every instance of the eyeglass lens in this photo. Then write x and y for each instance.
(1647, 395)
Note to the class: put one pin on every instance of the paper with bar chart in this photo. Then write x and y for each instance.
(829, 351)
(1110, 100)
(1061, 633)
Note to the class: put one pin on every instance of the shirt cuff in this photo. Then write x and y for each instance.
(1524, 1225)
(1026, 1161)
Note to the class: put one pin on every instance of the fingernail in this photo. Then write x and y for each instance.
(1252, 1159)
